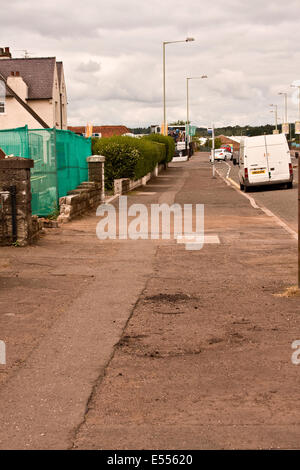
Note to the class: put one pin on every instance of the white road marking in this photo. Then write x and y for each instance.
(197, 239)
(229, 169)
(193, 246)
(196, 243)
(140, 193)
(169, 176)
(253, 203)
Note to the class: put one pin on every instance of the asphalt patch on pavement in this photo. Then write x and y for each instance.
(178, 297)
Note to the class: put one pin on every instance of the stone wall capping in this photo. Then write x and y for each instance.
(95, 159)
(123, 185)
(16, 163)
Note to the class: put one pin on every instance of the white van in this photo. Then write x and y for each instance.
(265, 159)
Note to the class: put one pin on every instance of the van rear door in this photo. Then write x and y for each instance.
(278, 157)
(256, 160)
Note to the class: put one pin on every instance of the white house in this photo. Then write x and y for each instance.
(40, 83)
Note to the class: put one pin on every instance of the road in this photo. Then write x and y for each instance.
(124, 344)
(282, 202)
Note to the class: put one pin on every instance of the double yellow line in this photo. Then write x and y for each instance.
(234, 183)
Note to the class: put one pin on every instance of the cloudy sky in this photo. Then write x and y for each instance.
(112, 54)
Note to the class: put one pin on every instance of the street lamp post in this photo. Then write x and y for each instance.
(298, 86)
(276, 115)
(164, 78)
(297, 124)
(285, 106)
(213, 151)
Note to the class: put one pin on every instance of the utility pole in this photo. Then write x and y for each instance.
(187, 127)
(297, 123)
(298, 86)
(213, 151)
(276, 115)
(164, 86)
(285, 107)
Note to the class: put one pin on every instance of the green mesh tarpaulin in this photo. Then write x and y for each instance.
(15, 141)
(59, 162)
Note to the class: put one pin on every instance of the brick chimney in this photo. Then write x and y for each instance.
(5, 53)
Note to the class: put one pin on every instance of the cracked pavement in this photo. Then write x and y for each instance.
(127, 344)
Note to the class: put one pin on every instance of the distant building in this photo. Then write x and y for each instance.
(154, 129)
(40, 83)
(101, 131)
(233, 140)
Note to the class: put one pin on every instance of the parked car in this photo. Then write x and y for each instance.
(227, 147)
(222, 154)
(264, 160)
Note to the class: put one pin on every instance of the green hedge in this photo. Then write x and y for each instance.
(167, 141)
(128, 157)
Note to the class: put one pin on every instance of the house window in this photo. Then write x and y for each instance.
(2, 97)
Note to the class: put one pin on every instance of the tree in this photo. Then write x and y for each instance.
(178, 123)
(218, 143)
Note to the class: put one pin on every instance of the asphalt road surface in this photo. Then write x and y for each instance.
(282, 202)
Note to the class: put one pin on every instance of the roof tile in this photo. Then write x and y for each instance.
(106, 131)
(37, 73)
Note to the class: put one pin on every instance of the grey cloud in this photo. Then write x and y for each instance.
(89, 67)
(248, 50)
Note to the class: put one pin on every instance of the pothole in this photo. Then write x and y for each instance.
(133, 345)
(130, 339)
(168, 313)
(165, 354)
(178, 297)
(215, 340)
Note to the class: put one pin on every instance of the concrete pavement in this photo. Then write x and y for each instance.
(142, 344)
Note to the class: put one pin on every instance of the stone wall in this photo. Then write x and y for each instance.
(79, 201)
(15, 177)
(87, 195)
(123, 185)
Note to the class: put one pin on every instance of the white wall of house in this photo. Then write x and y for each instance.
(56, 98)
(16, 116)
(64, 102)
(59, 114)
(48, 109)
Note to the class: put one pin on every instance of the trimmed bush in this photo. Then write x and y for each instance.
(167, 141)
(128, 157)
